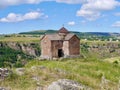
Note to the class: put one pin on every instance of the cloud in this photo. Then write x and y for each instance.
(12, 17)
(5, 3)
(89, 14)
(71, 1)
(116, 24)
(93, 8)
(83, 22)
(117, 14)
(72, 23)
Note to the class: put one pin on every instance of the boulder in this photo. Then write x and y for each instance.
(20, 71)
(4, 88)
(65, 84)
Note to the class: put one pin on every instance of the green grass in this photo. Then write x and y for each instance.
(20, 39)
(113, 59)
(87, 72)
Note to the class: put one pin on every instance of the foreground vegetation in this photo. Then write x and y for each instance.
(85, 71)
(12, 58)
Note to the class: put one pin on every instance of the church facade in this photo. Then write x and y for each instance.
(60, 44)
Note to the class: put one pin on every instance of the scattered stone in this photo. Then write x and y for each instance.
(37, 67)
(60, 71)
(39, 88)
(42, 67)
(104, 83)
(4, 72)
(20, 71)
(65, 84)
(36, 78)
(33, 68)
(3, 88)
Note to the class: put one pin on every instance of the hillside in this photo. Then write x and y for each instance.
(90, 72)
(83, 35)
(41, 32)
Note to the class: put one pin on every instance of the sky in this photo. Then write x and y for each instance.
(76, 15)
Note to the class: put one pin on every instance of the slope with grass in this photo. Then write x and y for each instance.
(86, 71)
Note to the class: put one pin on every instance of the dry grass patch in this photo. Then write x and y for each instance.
(20, 39)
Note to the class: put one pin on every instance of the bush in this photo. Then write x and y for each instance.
(116, 62)
(9, 57)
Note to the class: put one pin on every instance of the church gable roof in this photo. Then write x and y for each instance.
(63, 34)
(63, 30)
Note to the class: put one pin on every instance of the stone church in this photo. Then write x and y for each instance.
(60, 44)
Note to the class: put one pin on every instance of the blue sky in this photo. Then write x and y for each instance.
(76, 15)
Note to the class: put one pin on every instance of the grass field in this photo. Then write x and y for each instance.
(85, 71)
(113, 59)
(20, 39)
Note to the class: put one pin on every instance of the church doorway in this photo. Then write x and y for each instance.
(60, 53)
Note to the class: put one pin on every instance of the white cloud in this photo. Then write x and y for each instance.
(116, 24)
(83, 22)
(71, 1)
(117, 14)
(5, 3)
(12, 17)
(93, 8)
(89, 14)
(72, 23)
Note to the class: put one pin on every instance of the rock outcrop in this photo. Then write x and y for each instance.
(32, 49)
(102, 49)
(65, 84)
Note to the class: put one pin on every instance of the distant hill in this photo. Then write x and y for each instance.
(82, 35)
(40, 32)
(100, 33)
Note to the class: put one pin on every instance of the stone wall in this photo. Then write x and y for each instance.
(46, 48)
(55, 46)
(74, 46)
